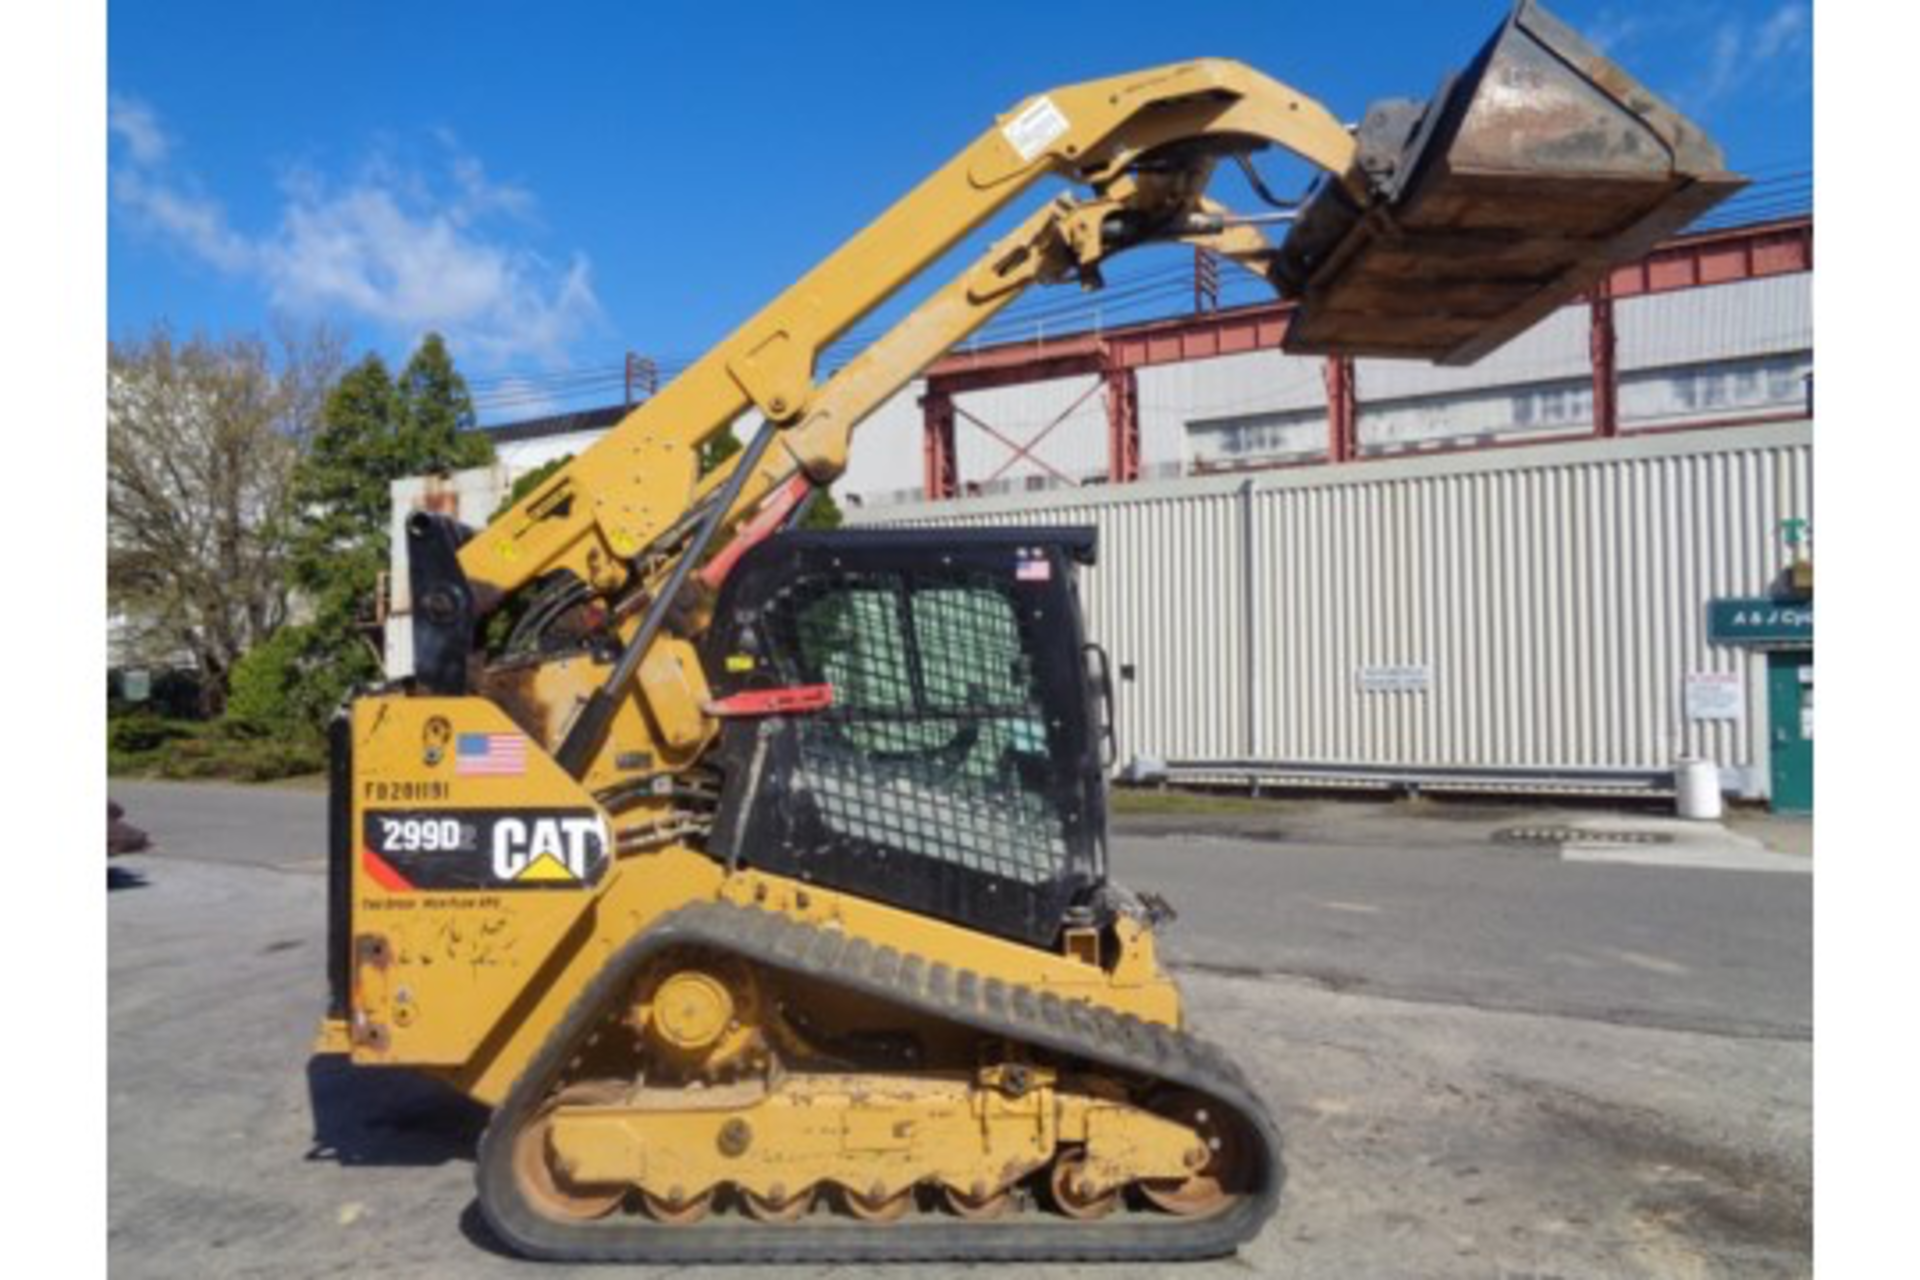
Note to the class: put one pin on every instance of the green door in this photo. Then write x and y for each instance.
(1790, 722)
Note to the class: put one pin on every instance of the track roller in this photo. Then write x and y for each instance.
(877, 1206)
(1068, 1184)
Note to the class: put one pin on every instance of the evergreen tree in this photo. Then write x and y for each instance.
(434, 414)
(373, 430)
(341, 488)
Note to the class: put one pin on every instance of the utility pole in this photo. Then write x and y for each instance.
(642, 375)
(1206, 280)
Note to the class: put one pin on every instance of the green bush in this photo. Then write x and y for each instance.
(141, 731)
(147, 746)
(287, 687)
(222, 755)
(264, 694)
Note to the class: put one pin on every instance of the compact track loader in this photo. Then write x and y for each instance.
(758, 880)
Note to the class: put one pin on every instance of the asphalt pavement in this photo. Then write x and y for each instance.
(1487, 1058)
(1423, 902)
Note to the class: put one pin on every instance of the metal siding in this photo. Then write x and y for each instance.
(1555, 348)
(888, 455)
(1172, 396)
(1719, 322)
(1558, 596)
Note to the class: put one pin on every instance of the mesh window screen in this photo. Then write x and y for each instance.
(936, 744)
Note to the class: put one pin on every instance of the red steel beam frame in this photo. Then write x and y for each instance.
(1343, 410)
(1754, 252)
(1602, 348)
(942, 463)
(1123, 425)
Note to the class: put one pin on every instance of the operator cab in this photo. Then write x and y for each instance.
(959, 770)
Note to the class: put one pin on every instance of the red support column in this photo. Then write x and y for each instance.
(1601, 345)
(942, 461)
(1123, 425)
(1342, 434)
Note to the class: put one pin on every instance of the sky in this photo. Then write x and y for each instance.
(553, 185)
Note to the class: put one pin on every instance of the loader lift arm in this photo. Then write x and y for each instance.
(613, 503)
(621, 517)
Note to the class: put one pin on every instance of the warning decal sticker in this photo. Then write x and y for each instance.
(484, 848)
(1034, 129)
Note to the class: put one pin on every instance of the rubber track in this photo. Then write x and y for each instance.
(1068, 1027)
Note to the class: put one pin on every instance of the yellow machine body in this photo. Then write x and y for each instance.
(540, 891)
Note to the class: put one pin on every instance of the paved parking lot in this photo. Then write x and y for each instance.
(1488, 1056)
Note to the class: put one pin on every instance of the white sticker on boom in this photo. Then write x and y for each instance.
(1033, 130)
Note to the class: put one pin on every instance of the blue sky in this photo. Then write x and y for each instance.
(554, 184)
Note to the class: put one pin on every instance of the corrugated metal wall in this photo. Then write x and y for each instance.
(1555, 595)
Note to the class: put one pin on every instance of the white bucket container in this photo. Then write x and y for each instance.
(1696, 786)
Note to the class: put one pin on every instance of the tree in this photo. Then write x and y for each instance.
(202, 439)
(435, 413)
(373, 430)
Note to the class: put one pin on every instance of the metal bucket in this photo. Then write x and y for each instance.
(1524, 180)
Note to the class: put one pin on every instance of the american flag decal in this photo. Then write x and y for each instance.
(479, 755)
(1033, 569)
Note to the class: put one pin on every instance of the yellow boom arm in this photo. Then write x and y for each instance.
(614, 501)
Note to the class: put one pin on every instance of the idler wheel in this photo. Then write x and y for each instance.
(551, 1193)
(1218, 1179)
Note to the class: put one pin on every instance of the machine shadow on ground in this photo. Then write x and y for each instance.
(387, 1118)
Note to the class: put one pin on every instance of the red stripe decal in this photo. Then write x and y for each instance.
(383, 873)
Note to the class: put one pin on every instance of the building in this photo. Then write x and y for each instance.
(1377, 573)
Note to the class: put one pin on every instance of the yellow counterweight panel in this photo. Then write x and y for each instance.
(450, 926)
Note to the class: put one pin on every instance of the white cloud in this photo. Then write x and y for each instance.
(134, 123)
(1786, 30)
(408, 249)
(184, 216)
(1744, 49)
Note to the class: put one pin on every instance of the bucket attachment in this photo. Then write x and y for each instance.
(1523, 181)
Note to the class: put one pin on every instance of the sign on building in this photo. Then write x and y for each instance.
(1394, 679)
(1715, 695)
(1760, 622)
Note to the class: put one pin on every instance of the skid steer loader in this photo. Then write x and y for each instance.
(758, 880)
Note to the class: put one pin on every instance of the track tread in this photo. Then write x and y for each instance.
(1069, 1027)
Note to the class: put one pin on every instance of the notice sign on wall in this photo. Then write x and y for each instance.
(1394, 679)
(1715, 695)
